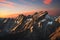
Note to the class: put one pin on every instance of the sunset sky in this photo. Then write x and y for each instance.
(14, 7)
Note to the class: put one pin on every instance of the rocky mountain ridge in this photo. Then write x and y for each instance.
(39, 26)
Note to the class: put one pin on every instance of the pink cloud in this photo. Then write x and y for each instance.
(7, 3)
(47, 2)
(2, 0)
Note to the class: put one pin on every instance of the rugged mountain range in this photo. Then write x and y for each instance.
(39, 26)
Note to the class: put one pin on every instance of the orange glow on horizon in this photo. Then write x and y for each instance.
(15, 15)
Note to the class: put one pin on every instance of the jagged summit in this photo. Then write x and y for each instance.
(39, 24)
